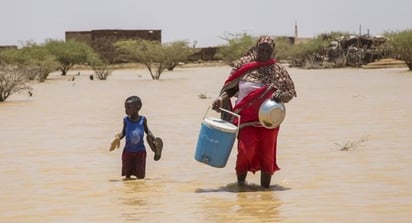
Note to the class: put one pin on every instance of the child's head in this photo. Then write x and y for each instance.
(133, 104)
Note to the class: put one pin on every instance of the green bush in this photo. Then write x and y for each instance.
(401, 45)
(236, 47)
(100, 67)
(155, 56)
(34, 60)
(69, 53)
(283, 48)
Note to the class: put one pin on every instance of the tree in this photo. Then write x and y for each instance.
(401, 44)
(69, 53)
(307, 53)
(175, 52)
(236, 47)
(283, 48)
(38, 61)
(12, 80)
(32, 59)
(100, 66)
(155, 56)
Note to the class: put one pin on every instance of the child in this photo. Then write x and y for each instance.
(134, 152)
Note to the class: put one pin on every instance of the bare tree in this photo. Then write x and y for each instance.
(12, 80)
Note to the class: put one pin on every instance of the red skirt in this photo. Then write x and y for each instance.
(257, 150)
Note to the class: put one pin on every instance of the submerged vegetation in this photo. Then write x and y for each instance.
(352, 144)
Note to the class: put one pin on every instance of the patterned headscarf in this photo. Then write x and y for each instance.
(251, 54)
(266, 39)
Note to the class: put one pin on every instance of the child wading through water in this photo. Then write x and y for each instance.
(134, 129)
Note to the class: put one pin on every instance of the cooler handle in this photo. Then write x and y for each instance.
(227, 111)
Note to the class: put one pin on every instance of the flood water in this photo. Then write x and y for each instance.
(344, 151)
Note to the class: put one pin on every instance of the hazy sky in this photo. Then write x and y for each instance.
(202, 21)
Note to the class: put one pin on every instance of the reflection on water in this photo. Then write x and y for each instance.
(243, 207)
(132, 200)
(246, 203)
(265, 207)
(235, 188)
(55, 165)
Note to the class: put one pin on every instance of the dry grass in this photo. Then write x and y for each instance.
(352, 144)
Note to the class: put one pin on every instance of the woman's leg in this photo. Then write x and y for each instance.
(246, 150)
(267, 148)
(241, 178)
(265, 179)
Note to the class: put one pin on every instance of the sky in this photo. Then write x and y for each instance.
(203, 22)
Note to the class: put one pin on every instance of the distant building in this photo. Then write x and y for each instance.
(6, 47)
(102, 40)
(80, 36)
(204, 54)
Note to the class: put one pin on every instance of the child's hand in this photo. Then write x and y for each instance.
(115, 143)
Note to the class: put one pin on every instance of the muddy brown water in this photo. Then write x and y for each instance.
(55, 165)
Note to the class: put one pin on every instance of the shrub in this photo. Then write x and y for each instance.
(100, 67)
(155, 56)
(32, 59)
(237, 46)
(69, 53)
(12, 80)
(401, 44)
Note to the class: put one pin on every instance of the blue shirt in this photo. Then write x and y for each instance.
(134, 134)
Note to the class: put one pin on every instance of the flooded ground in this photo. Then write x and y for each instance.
(344, 151)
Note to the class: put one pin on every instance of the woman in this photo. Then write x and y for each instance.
(253, 79)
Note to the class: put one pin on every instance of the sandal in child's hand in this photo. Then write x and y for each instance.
(115, 143)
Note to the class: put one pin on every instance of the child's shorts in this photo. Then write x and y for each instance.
(134, 163)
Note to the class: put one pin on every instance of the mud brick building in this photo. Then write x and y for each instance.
(102, 40)
(204, 54)
(6, 47)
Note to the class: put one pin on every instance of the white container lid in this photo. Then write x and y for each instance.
(220, 124)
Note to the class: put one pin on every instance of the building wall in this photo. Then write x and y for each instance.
(102, 40)
(119, 34)
(6, 47)
(80, 36)
(204, 54)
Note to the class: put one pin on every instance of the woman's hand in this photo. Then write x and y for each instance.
(217, 103)
(282, 97)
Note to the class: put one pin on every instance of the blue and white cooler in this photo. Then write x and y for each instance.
(215, 142)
